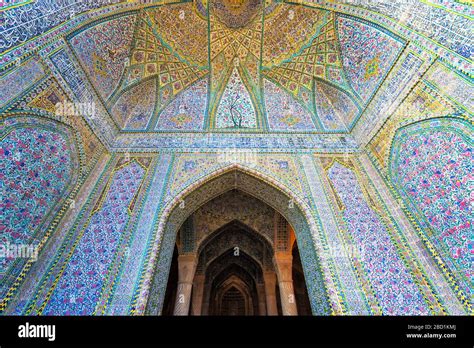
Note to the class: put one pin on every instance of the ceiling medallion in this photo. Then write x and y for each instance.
(236, 13)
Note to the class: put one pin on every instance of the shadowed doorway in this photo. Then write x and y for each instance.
(238, 268)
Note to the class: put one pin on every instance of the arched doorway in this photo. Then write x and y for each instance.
(234, 251)
(287, 207)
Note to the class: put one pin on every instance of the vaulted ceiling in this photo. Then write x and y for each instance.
(258, 74)
(227, 65)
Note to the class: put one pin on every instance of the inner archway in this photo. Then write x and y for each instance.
(289, 211)
(234, 255)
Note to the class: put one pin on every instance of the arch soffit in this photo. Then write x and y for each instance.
(169, 223)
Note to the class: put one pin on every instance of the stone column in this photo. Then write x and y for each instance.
(206, 299)
(186, 269)
(270, 283)
(198, 294)
(284, 263)
(261, 299)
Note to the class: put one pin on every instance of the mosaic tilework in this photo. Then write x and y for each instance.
(234, 206)
(36, 169)
(283, 112)
(421, 104)
(283, 167)
(42, 101)
(426, 26)
(368, 53)
(187, 110)
(392, 281)
(69, 235)
(8, 4)
(234, 42)
(232, 49)
(427, 20)
(24, 288)
(135, 107)
(102, 50)
(440, 286)
(287, 30)
(318, 58)
(335, 109)
(432, 168)
(454, 85)
(235, 108)
(151, 57)
(26, 22)
(79, 287)
(403, 77)
(74, 81)
(190, 167)
(235, 17)
(64, 63)
(264, 142)
(355, 298)
(35, 187)
(189, 40)
(127, 281)
(19, 80)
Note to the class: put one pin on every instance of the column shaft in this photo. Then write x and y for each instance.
(270, 283)
(284, 264)
(186, 269)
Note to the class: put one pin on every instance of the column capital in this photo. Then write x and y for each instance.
(284, 265)
(269, 277)
(186, 267)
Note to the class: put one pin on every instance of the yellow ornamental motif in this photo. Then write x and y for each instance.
(372, 68)
(291, 120)
(100, 65)
(181, 119)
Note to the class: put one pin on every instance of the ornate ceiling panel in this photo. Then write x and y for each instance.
(187, 111)
(336, 110)
(134, 108)
(233, 66)
(102, 50)
(284, 112)
(288, 29)
(184, 30)
(368, 54)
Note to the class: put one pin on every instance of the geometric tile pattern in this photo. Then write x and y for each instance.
(80, 285)
(135, 107)
(368, 53)
(151, 57)
(432, 167)
(102, 50)
(335, 109)
(319, 58)
(283, 111)
(393, 284)
(189, 41)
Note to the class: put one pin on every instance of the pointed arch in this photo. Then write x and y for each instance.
(42, 171)
(149, 297)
